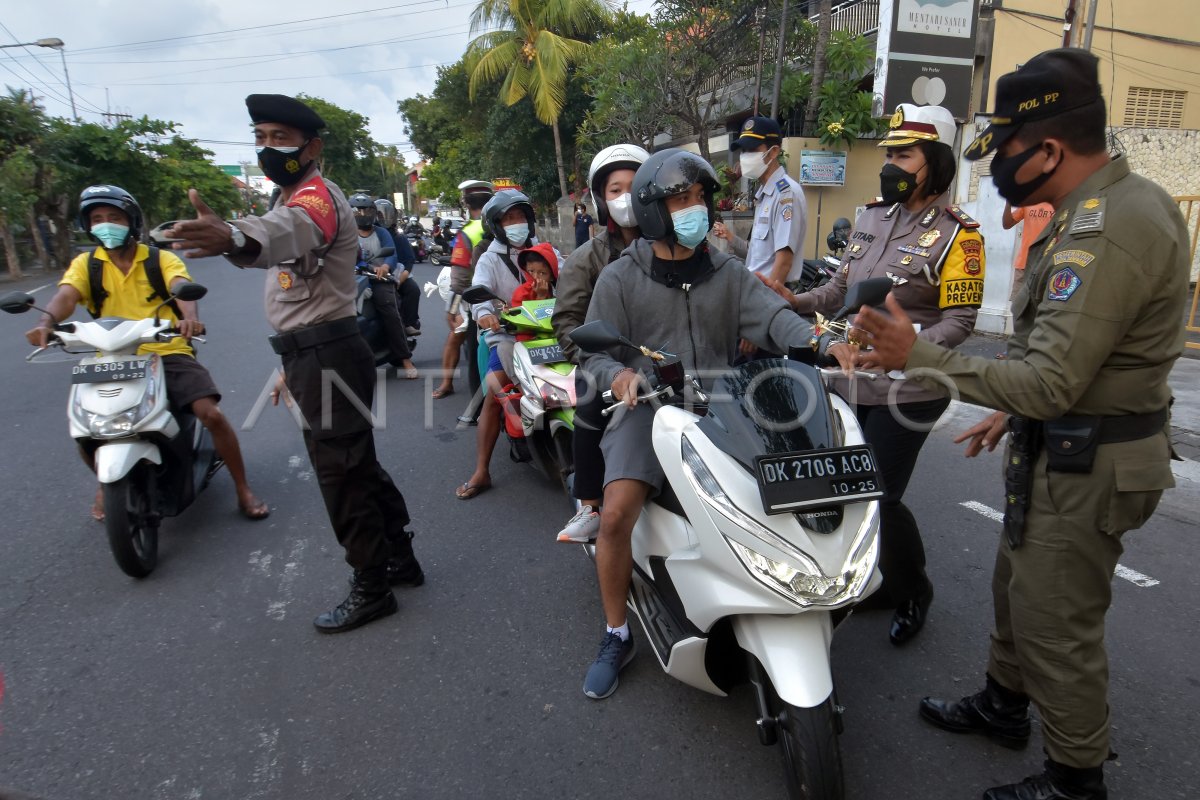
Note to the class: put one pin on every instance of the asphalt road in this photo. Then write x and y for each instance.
(206, 680)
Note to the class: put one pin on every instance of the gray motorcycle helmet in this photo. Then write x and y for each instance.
(365, 212)
(115, 196)
(665, 174)
(839, 237)
(503, 201)
(387, 213)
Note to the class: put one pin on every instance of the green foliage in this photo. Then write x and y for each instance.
(351, 158)
(845, 110)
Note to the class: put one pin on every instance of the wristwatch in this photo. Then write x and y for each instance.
(239, 238)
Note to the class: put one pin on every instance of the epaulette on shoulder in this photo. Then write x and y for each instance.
(963, 218)
(877, 204)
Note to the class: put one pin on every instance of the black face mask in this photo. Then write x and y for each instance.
(1004, 175)
(896, 185)
(284, 169)
(364, 223)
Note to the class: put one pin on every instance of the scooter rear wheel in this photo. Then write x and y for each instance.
(812, 758)
(130, 523)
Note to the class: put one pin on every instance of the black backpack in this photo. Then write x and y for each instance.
(153, 273)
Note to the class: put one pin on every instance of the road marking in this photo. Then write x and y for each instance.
(38, 289)
(1187, 469)
(1122, 571)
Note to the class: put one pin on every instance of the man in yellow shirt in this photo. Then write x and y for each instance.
(112, 217)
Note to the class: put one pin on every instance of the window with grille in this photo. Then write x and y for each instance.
(1154, 108)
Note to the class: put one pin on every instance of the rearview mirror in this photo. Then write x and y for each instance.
(16, 302)
(478, 294)
(189, 291)
(871, 292)
(600, 334)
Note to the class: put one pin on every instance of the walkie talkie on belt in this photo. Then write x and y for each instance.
(1024, 440)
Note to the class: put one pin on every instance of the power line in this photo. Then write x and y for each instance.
(83, 100)
(289, 77)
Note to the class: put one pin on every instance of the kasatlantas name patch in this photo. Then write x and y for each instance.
(1062, 285)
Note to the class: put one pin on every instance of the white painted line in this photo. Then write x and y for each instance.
(1122, 571)
(38, 289)
(1187, 469)
(1135, 577)
(987, 511)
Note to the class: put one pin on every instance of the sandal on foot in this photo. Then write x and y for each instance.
(259, 511)
(439, 393)
(469, 490)
(411, 373)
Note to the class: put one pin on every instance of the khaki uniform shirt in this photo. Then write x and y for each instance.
(1097, 325)
(315, 225)
(937, 267)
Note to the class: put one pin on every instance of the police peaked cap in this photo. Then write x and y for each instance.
(284, 110)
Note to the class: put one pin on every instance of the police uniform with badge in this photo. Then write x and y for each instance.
(933, 254)
(1096, 331)
(780, 211)
(308, 243)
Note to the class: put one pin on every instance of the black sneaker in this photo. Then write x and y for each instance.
(615, 653)
(367, 601)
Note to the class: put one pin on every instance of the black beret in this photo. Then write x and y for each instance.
(1045, 86)
(284, 110)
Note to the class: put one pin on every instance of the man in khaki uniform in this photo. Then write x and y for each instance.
(308, 244)
(1096, 330)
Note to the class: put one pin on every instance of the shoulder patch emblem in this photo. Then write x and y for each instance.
(962, 217)
(314, 198)
(285, 280)
(1062, 285)
(972, 249)
(787, 212)
(1089, 217)
(1078, 257)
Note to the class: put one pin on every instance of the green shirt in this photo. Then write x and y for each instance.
(1097, 325)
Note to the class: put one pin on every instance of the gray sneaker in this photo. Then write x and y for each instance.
(582, 528)
(601, 680)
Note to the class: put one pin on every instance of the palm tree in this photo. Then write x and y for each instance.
(533, 44)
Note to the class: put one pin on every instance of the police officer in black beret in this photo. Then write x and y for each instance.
(308, 244)
(1084, 399)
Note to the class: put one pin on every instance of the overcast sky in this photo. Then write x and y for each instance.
(194, 61)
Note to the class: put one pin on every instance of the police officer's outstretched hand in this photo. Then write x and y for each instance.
(206, 235)
(986, 434)
(891, 337)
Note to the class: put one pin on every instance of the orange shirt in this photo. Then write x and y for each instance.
(1036, 219)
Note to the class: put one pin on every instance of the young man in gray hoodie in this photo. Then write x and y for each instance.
(666, 291)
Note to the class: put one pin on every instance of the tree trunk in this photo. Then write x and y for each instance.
(39, 246)
(10, 247)
(818, 70)
(558, 159)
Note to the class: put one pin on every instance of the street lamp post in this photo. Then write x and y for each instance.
(54, 44)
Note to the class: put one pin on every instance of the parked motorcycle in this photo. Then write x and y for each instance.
(765, 533)
(151, 462)
(369, 324)
(540, 407)
(818, 272)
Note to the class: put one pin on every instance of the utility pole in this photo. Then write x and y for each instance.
(1091, 24)
(779, 58)
(762, 44)
(1068, 23)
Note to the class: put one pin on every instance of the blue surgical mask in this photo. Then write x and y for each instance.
(517, 235)
(691, 225)
(110, 234)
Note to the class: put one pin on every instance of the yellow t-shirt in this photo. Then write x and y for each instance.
(127, 294)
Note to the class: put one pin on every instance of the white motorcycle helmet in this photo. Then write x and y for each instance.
(617, 156)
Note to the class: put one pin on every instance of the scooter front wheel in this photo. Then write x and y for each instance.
(131, 524)
(812, 758)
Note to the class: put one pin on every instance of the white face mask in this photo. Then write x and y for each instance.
(754, 164)
(621, 211)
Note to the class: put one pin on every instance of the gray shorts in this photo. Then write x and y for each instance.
(629, 450)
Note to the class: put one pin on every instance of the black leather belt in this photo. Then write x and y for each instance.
(313, 335)
(1131, 427)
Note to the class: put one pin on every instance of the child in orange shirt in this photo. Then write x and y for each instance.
(541, 265)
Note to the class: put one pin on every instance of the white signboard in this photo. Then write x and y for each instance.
(822, 167)
(935, 17)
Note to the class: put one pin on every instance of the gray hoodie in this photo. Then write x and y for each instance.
(701, 325)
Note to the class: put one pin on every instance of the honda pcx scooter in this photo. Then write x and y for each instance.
(542, 402)
(765, 532)
(369, 324)
(151, 462)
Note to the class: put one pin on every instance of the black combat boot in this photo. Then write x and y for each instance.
(996, 712)
(402, 566)
(370, 598)
(1058, 782)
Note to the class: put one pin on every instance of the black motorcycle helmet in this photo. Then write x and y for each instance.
(500, 204)
(839, 237)
(364, 210)
(115, 196)
(387, 213)
(665, 174)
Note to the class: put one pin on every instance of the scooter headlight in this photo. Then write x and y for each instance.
(802, 580)
(552, 396)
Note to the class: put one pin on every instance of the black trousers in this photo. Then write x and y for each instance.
(896, 434)
(383, 297)
(410, 300)
(365, 508)
(470, 354)
(589, 430)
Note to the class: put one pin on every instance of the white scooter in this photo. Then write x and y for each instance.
(150, 462)
(765, 533)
